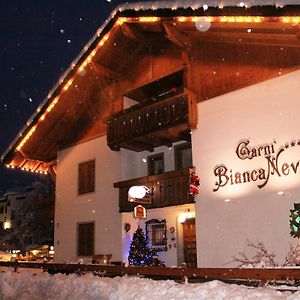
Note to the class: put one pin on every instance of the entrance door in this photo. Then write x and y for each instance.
(189, 243)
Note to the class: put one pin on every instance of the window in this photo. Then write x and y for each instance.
(156, 164)
(156, 234)
(12, 214)
(86, 177)
(85, 239)
(183, 156)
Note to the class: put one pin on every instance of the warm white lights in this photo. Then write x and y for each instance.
(27, 169)
(294, 20)
(187, 214)
(6, 225)
(202, 23)
(148, 19)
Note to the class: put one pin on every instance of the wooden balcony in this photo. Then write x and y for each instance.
(144, 127)
(167, 189)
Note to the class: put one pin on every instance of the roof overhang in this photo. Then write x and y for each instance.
(58, 112)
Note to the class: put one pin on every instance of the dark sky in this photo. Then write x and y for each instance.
(38, 41)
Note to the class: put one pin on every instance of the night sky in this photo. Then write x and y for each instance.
(38, 41)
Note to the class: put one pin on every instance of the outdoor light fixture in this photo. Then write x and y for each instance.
(185, 215)
(6, 225)
(138, 191)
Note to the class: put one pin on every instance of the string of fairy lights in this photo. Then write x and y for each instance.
(121, 20)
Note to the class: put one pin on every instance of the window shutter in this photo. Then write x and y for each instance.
(86, 177)
(85, 239)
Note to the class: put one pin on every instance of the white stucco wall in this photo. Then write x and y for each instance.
(100, 207)
(134, 164)
(174, 254)
(266, 113)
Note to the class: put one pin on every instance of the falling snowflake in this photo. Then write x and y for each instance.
(69, 41)
(202, 24)
(30, 99)
(62, 31)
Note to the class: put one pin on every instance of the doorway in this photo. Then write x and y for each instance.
(189, 243)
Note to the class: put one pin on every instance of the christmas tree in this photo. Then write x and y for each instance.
(140, 254)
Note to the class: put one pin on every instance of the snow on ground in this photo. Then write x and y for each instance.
(25, 286)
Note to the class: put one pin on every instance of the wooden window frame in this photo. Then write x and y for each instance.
(151, 227)
(155, 157)
(177, 157)
(85, 253)
(89, 187)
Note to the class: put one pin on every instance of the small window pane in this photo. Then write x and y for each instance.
(156, 234)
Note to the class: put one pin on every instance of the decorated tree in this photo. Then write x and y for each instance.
(140, 253)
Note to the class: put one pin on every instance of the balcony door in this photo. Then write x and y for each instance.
(189, 243)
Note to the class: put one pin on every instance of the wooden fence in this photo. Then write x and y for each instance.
(251, 276)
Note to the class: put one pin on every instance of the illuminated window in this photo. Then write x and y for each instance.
(86, 177)
(156, 234)
(85, 239)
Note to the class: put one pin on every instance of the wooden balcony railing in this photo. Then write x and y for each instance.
(143, 127)
(166, 189)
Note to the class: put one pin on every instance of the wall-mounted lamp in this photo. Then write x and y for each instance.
(185, 215)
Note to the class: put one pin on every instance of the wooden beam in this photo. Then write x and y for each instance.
(297, 32)
(160, 139)
(134, 34)
(101, 70)
(52, 172)
(139, 145)
(175, 36)
(263, 39)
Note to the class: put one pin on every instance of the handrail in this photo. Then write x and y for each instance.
(167, 189)
(140, 120)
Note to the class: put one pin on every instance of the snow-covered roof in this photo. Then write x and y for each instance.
(195, 4)
(164, 7)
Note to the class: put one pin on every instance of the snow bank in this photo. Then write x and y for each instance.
(23, 286)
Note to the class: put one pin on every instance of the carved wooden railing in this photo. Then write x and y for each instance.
(166, 189)
(140, 120)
